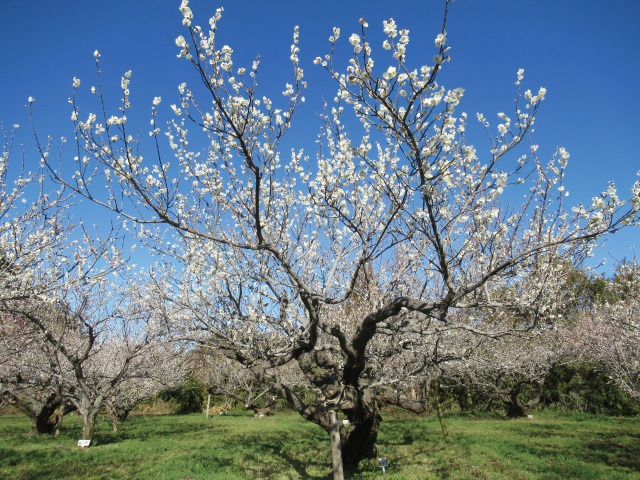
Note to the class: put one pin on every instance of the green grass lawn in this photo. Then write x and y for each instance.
(286, 447)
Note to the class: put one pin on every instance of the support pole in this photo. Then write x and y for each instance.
(208, 404)
(336, 451)
(443, 423)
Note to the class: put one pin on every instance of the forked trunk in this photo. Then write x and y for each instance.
(123, 413)
(43, 424)
(358, 439)
(117, 414)
(515, 407)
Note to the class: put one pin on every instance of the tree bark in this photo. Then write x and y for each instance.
(117, 414)
(45, 422)
(88, 424)
(515, 410)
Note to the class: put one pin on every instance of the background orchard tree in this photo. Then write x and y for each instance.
(119, 345)
(54, 278)
(264, 245)
(161, 366)
(36, 258)
(31, 377)
(609, 334)
(512, 369)
(98, 329)
(227, 378)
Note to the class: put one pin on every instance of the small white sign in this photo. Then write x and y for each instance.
(84, 443)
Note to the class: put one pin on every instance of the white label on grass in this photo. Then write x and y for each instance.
(84, 443)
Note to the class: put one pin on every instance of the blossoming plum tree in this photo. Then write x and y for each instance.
(513, 369)
(265, 248)
(227, 378)
(72, 330)
(30, 377)
(158, 366)
(103, 338)
(34, 240)
(609, 334)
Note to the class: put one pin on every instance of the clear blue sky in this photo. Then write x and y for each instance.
(585, 52)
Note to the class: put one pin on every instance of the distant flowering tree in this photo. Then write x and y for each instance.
(35, 259)
(103, 339)
(227, 378)
(265, 246)
(513, 369)
(609, 334)
(158, 366)
(30, 375)
(72, 330)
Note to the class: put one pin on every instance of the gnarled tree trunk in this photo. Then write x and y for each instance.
(515, 407)
(45, 411)
(360, 442)
(48, 419)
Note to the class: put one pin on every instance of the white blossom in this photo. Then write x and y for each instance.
(187, 15)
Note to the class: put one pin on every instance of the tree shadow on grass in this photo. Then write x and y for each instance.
(399, 432)
(138, 428)
(10, 457)
(583, 459)
(128, 431)
(307, 456)
(622, 454)
(407, 443)
(42, 465)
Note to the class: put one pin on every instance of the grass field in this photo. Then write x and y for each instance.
(191, 447)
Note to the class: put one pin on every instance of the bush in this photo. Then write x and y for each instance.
(583, 387)
(189, 398)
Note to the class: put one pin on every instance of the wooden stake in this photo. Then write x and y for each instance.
(443, 424)
(336, 451)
